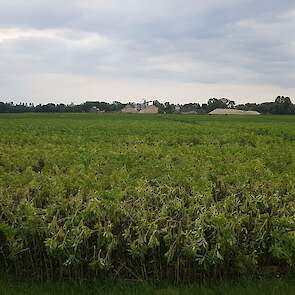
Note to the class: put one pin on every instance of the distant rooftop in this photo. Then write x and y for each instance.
(232, 112)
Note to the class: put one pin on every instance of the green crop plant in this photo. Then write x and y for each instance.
(156, 197)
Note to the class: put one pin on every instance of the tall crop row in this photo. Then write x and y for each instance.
(154, 233)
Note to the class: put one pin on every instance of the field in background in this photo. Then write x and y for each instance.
(146, 196)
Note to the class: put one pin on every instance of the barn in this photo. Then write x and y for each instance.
(141, 109)
(130, 109)
(233, 112)
(149, 110)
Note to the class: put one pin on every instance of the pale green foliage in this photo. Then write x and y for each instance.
(146, 197)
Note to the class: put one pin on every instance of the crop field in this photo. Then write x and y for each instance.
(146, 197)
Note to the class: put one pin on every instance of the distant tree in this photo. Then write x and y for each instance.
(282, 105)
(169, 108)
(160, 106)
(247, 107)
(190, 107)
(48, 108)
(283, 100)
(223, 103)
(4, 107)
(61, 108)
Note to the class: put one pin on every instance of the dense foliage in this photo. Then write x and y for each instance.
(281, 105)
(59, 108)
(146, 197)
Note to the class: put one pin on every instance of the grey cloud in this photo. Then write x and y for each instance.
(240, 42)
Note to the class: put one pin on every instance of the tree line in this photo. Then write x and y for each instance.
(281, 105)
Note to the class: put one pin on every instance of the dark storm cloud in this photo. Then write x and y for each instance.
(242, 43)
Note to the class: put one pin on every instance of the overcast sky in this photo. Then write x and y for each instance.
(176, 50)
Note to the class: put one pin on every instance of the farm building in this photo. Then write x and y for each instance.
(94, 110)
(149, 110)
(255, 113)
(141, 109)
(130, 109)
(233, 112)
